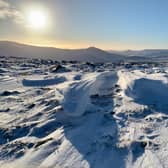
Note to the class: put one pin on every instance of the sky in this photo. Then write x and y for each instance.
(107, 24)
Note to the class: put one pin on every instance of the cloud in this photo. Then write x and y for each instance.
(8, 12)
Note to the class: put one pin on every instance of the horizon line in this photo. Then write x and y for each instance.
(78, 48)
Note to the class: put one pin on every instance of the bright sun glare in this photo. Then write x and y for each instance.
(37, 19)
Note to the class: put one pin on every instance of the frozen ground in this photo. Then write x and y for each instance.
(83, 115)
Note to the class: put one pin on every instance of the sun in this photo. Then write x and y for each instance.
(37, 19)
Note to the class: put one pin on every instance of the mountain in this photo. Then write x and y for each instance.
(90, 54)
(143, 53)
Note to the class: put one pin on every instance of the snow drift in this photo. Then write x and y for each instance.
(43, 82)
(153, 93)
(77, 96)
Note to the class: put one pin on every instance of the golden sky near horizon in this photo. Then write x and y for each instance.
(80, 24)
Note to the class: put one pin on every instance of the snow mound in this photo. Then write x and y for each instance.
(153, 93)
(77, 96)
(45, 82)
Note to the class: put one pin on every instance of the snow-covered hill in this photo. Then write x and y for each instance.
(90, 54)
(82, 115)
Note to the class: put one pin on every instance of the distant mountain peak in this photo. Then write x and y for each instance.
(93, 48)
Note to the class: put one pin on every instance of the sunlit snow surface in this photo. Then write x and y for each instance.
(83, 115)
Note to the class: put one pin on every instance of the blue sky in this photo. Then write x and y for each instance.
(108, 24)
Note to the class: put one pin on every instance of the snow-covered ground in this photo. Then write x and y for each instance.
(83, 115)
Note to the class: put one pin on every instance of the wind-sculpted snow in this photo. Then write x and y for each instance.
(77, 96)
(150, 92)
(44, 82)
(92, 116)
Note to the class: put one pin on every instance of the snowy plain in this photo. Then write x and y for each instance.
(83, 115)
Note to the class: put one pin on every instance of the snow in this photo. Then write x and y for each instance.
(150, 92)
(92, 116)
(44, 82)
(77, 96)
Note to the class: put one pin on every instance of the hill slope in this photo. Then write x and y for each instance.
(91, 54)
